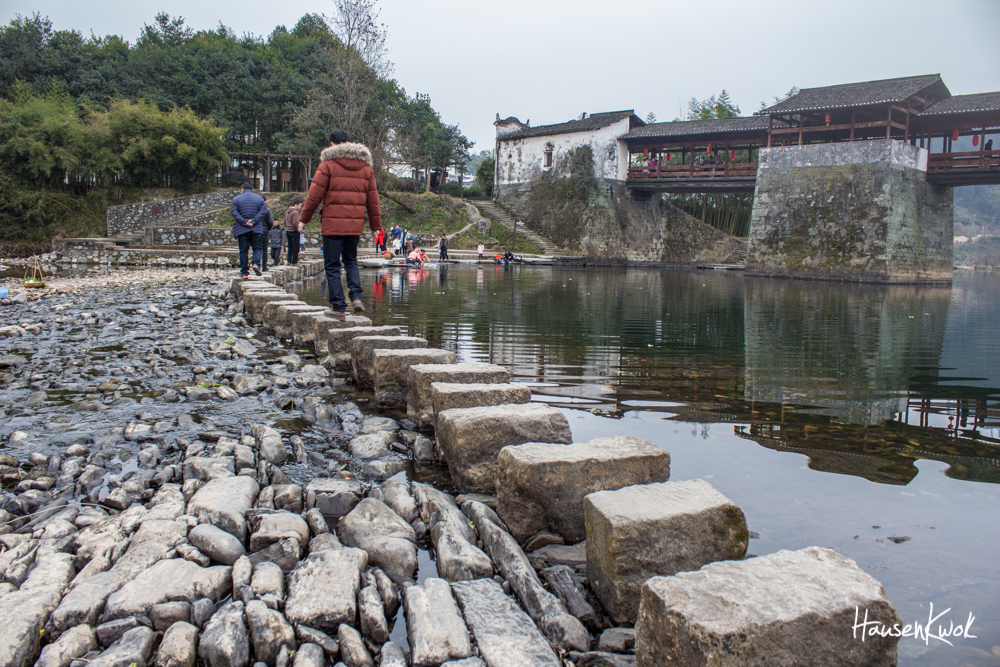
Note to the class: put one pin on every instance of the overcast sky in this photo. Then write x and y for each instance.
(550, 60)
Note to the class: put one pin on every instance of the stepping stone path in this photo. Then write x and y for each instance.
(235, 544)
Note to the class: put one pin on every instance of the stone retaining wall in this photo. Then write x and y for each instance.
(204, 236)
(131, 218)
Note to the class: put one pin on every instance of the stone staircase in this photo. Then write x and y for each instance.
(739, 256)
(497, 214)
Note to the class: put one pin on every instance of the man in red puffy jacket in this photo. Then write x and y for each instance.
(344, 184)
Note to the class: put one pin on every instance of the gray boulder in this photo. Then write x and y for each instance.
(352, 648)
(540, 487)
(21, 621)
(277, 526)
(134, 648)
(323, 588)
(217, 544)
(74, 643)
(434, 625)
(389, 541)
(371, 615)
(225, 641)
(179, 647)
(332, 496)
(310, 655)
(269, 631)
(756, 612)
(224, 504)
(644, 531)
(168, 580)
(471, 438)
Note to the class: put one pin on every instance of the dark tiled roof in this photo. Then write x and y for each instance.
(592, 122)
(861, 94)
(966, 104)
(689, 128)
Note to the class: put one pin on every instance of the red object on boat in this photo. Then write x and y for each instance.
(975, 140)
(954, 135)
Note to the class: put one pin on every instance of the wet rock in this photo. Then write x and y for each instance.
(434, 625)
(165, 614)
(323, 588)
(134, 647)
(389, 540)
(309, 655)
(179, 647)
(284, 553)
(270, 447)
(397, 495)
(24, 615)
(561, 582)
(168, 580)
(225, 641)
(288, 497)
(352, 648)
(308, 635)
(505, 635)
(372, 615)
(457, 558)
(271, 528)
(371, 445)
(207, 468)
(317, 524)
(199, 394)
(387, 591)
(269, 631)
(755, 612)
(390, 369)
(333, 497)
(363, 350)
(419, 400)
(471, 438)
(224, 504)
(643, 531)
(540, 487)
(217, 544)
(548, 611)
(74, 643)
(226, 393)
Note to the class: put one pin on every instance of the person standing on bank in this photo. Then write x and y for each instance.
(292, 232)
(249, 210)
(443, 248)
(345, 184)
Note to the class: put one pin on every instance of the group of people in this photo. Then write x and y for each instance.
(403, 241)
(254, 226)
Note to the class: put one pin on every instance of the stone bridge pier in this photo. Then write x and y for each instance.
(856, 211)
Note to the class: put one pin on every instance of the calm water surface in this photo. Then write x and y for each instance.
(835, 415)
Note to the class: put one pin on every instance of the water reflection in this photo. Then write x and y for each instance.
(849, 375)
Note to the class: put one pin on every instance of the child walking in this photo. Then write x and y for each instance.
(277, 240)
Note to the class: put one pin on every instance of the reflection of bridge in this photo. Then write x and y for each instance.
(961, 134)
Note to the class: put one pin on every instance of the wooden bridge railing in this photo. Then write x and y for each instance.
(963, 160)
(689, 171)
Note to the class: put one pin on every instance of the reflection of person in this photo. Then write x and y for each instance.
(344, 184)
(248, 209)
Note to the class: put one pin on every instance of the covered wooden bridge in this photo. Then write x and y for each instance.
(961, 134)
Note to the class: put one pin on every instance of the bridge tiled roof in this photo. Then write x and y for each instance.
(865, 93)
(966, 104)
(689, 128)
(594, 121)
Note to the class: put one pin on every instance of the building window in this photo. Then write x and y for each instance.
(549, 148)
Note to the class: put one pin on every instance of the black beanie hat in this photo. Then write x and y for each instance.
(340, 136)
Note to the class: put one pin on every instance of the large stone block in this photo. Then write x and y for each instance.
(323, 588)
(304, 325)
(419, 406)
(283, 324)
(448, 395)
(392, 369)
(253, 302)
(541, 486)
(332, 496)
(363, 352)
(786, 608)
(269, 312)
(434, 624)
(323, 324)
(471, 438)
(652, 530)
(224, 503)
(339, 339)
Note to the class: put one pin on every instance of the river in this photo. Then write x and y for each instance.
(864, 418)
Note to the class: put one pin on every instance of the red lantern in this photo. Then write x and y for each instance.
(827, 118)
(709, 151)
(668, 157)
(975, 140)
(645, 152)
(954, 135)
(732, 155)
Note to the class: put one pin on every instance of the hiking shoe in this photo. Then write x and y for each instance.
(256, 269)
(358, 306)
(339, 314)
(245, 277)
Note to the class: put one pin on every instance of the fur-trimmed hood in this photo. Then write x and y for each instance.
(349, 150)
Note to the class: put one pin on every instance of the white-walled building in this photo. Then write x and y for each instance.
(526, 154)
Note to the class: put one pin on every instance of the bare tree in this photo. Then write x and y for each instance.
(356, 24)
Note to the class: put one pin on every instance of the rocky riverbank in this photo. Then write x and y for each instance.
(183, 486)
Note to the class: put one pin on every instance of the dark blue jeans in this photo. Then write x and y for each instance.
(293, 247)
(337, 250)
(248, 241)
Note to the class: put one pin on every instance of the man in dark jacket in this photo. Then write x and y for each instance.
(248, 211)
(345, 184)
